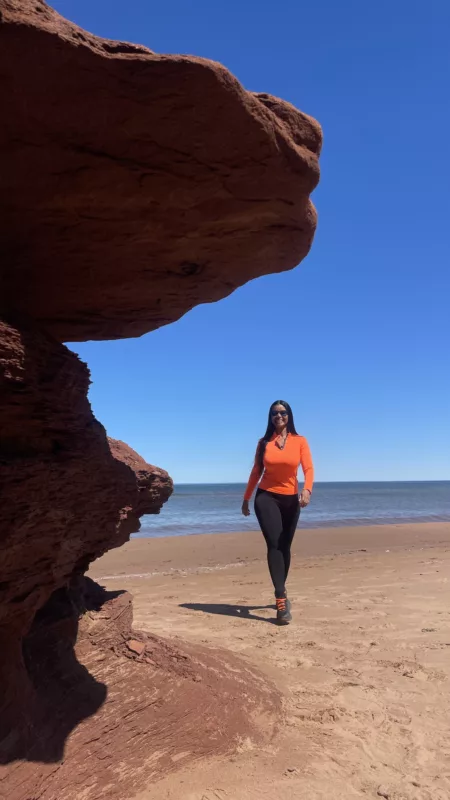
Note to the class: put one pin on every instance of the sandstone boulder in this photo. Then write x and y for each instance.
(135, 185)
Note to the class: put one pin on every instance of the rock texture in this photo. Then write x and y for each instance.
(111, 719)
(154, 486)
(66, 494)
(135, 185)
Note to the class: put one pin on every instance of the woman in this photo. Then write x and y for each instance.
(278, 502)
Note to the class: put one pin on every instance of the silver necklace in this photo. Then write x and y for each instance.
(281, 445)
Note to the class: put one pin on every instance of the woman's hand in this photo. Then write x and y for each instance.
(304, 497)
(245, 509)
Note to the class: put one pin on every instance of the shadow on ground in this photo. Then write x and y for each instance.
(54, 692)
(228, 610)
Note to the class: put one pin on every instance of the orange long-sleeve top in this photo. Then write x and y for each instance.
(281, 466)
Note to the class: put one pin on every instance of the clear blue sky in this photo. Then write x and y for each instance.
(366, 362)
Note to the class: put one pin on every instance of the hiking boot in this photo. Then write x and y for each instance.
(284, 615)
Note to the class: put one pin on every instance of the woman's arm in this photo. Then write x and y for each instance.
(251, 485)
(308, 469)
(254, 477)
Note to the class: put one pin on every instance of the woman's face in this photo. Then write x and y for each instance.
(279, 417)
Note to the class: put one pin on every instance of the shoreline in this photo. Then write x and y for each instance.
(361, 522)
(143, 557)
(362, 671)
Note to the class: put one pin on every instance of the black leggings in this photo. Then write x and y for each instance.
(278, 516)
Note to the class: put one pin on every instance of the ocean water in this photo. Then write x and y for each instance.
(215, 508)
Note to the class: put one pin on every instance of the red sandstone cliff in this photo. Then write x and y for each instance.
(133, 187)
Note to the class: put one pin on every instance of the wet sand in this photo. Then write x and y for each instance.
(364, 668)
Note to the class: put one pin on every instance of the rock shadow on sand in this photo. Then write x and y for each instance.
(240, 611)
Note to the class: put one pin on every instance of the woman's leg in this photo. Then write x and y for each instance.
(271, 523)
(290, 513)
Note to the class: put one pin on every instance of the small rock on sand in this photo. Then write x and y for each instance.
(136, 647)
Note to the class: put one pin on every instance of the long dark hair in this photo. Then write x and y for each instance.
(271, 430)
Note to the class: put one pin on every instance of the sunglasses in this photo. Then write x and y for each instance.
(279, 413)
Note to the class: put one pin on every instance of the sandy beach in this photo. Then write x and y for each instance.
(363, 670)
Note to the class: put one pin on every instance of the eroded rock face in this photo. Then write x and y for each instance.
(135, 185)
(66, 494)
(153, 484)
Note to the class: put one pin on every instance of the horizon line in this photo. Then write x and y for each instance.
(239, 483)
